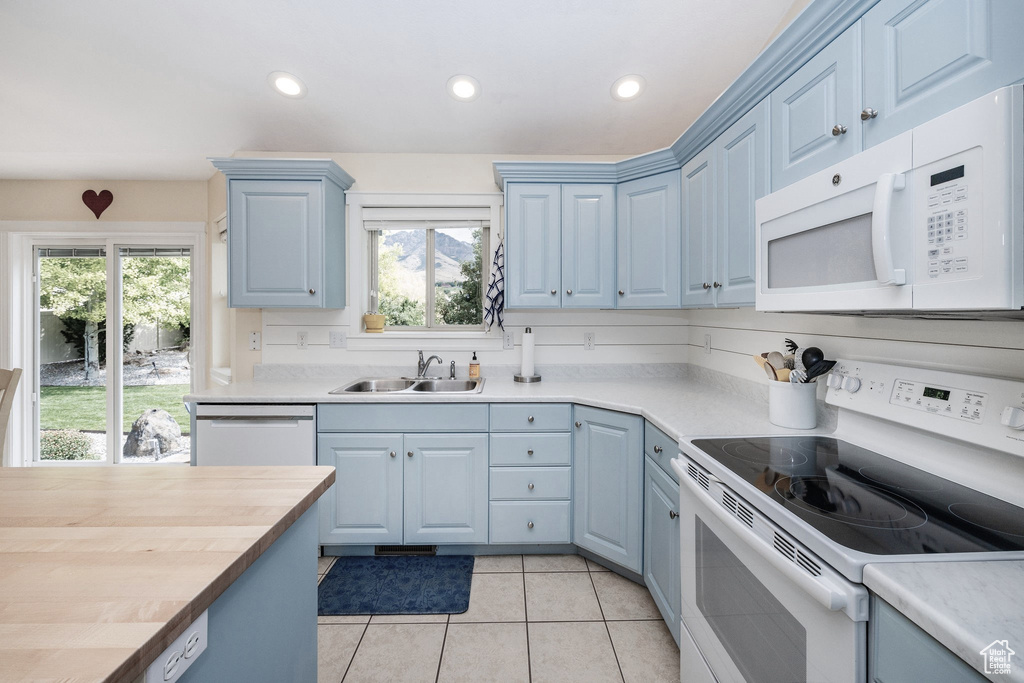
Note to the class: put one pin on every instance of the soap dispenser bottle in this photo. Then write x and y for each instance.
(474, 367)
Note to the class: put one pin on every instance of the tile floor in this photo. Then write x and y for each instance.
(533, 618)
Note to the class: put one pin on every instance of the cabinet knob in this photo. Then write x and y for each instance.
(569, 292)
(554, 291)
(838, 129)
(409, 454)
(621, 293)
(392, 454)
(578, 424)
(312, 291)
(530, 486)
(672, 514)
(716, 285)
(705, 285)
(658, 449)
(868, 113)
(529, 525)
(529, 451)
(530, 419)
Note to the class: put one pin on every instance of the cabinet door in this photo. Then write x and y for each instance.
(445, 488)
(661, 544)
(588, 246)
(533, 246)
(648, 233)
(275, 237)
(807, 107)
(742, 155)
(364, 506)
(698, 228)
(608, 470)
(925, 57)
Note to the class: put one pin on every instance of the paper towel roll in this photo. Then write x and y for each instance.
(527, 369)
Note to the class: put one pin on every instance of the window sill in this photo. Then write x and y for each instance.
(477, 340)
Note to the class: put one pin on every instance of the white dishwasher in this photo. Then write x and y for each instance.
(255, 434)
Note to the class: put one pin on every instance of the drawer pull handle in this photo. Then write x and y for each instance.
(530, 419)
(672, 514)
(392, 454)
(529, 452)
(578, 424)
(529, 525)
(530, 486)
(658, 449)
(409, 454)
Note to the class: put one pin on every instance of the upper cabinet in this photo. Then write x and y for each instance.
(720, 186)
(286, 232)
(815, 112)
(649, 241)
(924, 58)
(560, 246)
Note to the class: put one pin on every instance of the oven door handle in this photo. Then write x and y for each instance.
(819, 587)
(881, 233)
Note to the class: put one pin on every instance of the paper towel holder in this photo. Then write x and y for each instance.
(519, 377)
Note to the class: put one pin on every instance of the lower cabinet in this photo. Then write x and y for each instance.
(404, 488)
(661, 543)
(608, 465)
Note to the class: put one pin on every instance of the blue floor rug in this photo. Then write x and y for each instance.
(397, 585)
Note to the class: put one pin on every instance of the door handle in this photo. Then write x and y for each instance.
(881, 233)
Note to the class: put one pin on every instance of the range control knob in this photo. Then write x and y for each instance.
(851, 384)
(835, 380)
(1013, 417)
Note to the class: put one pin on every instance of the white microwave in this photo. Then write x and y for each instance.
(931, 221)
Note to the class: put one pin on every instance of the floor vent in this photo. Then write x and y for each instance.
(405, 550)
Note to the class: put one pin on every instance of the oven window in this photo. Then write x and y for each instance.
(833, 254)
(764, 641)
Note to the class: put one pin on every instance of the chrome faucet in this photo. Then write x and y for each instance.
(421, 366)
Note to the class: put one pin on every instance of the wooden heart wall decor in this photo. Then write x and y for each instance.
(98, 203)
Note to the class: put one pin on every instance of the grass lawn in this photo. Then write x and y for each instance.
(85, 408)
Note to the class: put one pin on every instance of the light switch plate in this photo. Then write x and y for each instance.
(509, 340)
(255, 342)
(588, 341)
(338, 339)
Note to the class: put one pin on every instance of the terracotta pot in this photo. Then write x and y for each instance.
(373, 322)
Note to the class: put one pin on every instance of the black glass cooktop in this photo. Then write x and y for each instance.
(867, 502)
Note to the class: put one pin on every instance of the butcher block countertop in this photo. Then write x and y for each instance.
(101, 568)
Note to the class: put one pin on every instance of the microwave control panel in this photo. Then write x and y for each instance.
(949, 237)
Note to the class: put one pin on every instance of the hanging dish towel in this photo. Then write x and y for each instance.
(494, 306)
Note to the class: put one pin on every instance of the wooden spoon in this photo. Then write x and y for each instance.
(770, 371)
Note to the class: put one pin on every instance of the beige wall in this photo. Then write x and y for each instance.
(134, 200)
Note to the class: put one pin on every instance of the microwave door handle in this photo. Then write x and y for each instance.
(881, 229)
(831, 598)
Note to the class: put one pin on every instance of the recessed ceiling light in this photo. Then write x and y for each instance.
(628, 87)
(463, 88)
(287, 84)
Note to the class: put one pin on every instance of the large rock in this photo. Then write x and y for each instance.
(155, 433)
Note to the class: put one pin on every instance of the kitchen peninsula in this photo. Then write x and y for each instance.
(102, 568)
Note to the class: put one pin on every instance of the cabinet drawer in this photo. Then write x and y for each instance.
(511, 520)
(530, 417)
(530, 483)
(401, 417)
(531, 449)
(661, 449)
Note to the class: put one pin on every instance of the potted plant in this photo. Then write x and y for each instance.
(373, 322)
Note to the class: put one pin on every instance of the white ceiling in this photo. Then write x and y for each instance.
(133, 89)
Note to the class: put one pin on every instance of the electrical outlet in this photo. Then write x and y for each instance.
(255, 342)
(588, 341)
(339, 339)
(510, 341)
(707, 343)
(302, 340)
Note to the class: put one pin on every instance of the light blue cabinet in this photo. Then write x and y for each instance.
(286, 232)
(815, 113)
(608, 467)
(922, 59)
(648, 241)
(699, 229)
(364, 506)
(533, 258)
(588, 246)
(445, 488)
(661, 543)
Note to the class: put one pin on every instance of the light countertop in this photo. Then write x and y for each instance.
(963, 605)
(101, 568)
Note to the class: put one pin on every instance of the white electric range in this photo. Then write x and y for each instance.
(776, 530)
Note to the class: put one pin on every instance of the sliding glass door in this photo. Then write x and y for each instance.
(112, 358)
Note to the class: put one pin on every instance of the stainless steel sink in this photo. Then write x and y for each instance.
(378, 385)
